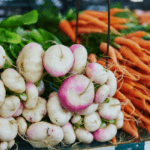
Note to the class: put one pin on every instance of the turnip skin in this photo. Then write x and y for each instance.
(69, 134)
(2, 92)
(97, 73)
(8, 129)
(75, 119)
(80, 55)
(2, 57)
(92, 122)
(19, 111)
(44, 134)
(3, 145)
(58, 60)
(57, 114)
(76, 93)
(112, 83)
(84, 136)
(105, 134)
(22, 125)
(92, 108)
(11, 143)
(110, 110)
(13, 80)
(32, 96)
(119, 120)
(10, 105)
(30, 62)
(101, 94)
(37, 113)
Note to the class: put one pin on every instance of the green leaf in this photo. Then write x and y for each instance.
(107, 100)
(36, 36)
(108, 121)
(9, 37)
(116, 5)
(20, 31)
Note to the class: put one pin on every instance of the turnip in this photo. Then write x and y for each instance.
(19, 111)
(9, 106)
(112, 83)
(44, 135)
(8, 129)
(11, 144)
(119, 120)
(30, 62)
(3, 145)
(76, 93)
(32, 96)
(22, 125)
(57, 114)
(2, 92)
(102, 93)
(92, 108)
(58, 60)
(80, 56)
(2, 56)
(92, 122)
(83, 135)
(75, 118)
(41, 88)
(109, 110)
(97, 73)
(69, 134)
(37, 113)
(13, 80)
(105, 134)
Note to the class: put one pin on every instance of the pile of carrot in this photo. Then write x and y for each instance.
(93, 21)
(130, 63)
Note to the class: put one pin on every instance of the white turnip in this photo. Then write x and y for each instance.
(80, 56)
(30, 62)
(19, 111)
(75, 118)
(76, 93)
(58, 60)
(2, 92)
(11, 144)
(2, 57)
(119, 120)
(3, 145)
(57, 114)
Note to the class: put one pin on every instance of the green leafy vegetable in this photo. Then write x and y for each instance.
(108, 121)
(107, 100)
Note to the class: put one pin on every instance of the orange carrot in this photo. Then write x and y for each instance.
(143, 43)
(96, 22)
(137, 34)
(126, 115)
(80, 22)
(114, 140)
(130, 90)
(129, 110)
(116, 10)
(65, 26)
(92, 58)
(127, 127)
(128, 54)
(86, 30)
(142, 117)
(133, 125)
(119, 26)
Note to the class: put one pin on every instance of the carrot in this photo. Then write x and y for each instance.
(132, 45)
(133, 125)
(114, 140)
(147, 127)
(143, 43)
(86, 30)
(80, 22)
(128, 54)
(126, 115)
(129, 110)
(142, 117)
(127, 127)
(96, 22)
(137, 34)
(65, 26)
(130, 90)
(119, 26)
(92, 58)
(122, 98)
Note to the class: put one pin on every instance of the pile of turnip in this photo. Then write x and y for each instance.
(82, 110)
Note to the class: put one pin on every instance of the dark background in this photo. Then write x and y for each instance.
(10, 7)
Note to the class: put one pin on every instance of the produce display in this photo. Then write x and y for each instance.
(53, 93)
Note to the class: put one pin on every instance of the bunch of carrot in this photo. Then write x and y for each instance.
(93, 21)
(130, 63)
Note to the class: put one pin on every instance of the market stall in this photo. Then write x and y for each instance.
(75, 76)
